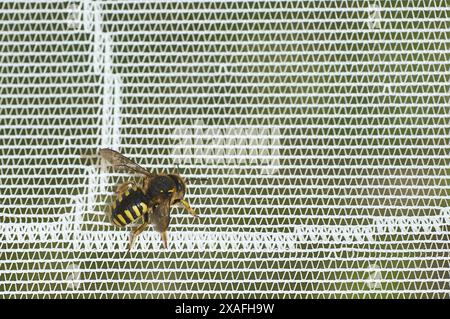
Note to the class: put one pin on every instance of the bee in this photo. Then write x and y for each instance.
(149, 203)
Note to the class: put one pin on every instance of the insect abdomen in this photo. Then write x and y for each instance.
(128, 207)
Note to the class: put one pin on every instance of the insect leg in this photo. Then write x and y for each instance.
(164, 239)
(135, 232)
(188, 208)
(122, 188)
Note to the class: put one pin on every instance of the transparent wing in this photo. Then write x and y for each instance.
(119, 161)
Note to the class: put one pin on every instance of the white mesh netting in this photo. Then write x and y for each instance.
(322, 127)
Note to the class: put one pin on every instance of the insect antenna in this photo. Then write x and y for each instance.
(194, 179)
(190, 179)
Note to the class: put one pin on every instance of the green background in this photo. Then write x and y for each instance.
(362, 112)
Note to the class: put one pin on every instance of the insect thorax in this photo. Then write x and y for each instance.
(166, 185)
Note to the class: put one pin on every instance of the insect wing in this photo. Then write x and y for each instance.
(119, 161)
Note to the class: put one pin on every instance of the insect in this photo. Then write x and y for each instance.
(149, 203)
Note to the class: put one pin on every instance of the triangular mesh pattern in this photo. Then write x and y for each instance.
(322, 127)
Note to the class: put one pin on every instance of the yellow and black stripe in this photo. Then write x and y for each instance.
(128, 207)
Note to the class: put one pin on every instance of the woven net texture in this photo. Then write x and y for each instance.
(321, 129)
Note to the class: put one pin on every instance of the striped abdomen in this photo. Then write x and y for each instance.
(128, 207)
